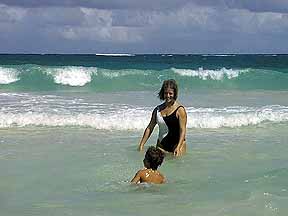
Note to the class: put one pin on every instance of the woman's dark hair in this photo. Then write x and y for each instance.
(171, 83)
(154, 157)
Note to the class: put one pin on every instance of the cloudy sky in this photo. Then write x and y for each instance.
(138, 26)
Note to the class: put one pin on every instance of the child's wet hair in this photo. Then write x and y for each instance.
(154, 157)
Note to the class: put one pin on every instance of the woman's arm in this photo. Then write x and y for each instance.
(148, 130)
(182, 116)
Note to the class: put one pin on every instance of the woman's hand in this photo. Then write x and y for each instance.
(182, 116)
(140, 148)
(177, 152)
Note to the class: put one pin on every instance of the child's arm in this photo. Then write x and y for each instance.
(137, 177)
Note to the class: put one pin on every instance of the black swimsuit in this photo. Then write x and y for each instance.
(169, 130)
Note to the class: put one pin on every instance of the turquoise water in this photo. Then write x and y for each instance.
(82, 171)
(142, 72)
(70, 126)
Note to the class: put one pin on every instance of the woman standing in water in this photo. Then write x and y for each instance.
(171, 118)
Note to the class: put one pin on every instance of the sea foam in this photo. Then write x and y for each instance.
(218, 55)
(8, 75)
(121, 73)
(210, 74)
(72, 75)
(235, 116)
(114, 54)
(111, 121)
(137, 119)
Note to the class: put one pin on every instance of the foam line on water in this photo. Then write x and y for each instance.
(235, 116)
(205, 74)
(135, 119)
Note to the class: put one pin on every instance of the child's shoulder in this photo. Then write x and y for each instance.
(141, 171)
(162, 178)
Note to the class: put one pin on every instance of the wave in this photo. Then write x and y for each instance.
(219, 55)
(235, 116)
(114, 54)
(37, 77)
(72, 76)
(138, 118)
(114, 121)
(8, 75)
(124, 72)
(168, 55)
(210, 74)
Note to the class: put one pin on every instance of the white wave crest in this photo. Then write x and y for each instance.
(72, 75)
(137, 119)
(235, 116)
(123, 120)
(119, 73)
(8, 75)
(219, 55)
(114, 54)
(210, 74)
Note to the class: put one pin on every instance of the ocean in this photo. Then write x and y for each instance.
(70, 126)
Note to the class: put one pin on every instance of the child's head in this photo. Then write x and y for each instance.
(153, 158)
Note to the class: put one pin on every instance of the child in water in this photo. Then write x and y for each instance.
(153, 159)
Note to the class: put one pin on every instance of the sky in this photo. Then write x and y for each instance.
(138, 26)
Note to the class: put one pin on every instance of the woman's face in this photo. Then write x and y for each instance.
(169, 95)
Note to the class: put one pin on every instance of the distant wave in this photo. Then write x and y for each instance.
(124, 72)
(8, 75)
(42, 77)
(210, 74)
(114, 54)
(136, 119)
(219, 55)
(169, 55)
(72, 76)
(80, 76)
(65, 75)
(270, 55)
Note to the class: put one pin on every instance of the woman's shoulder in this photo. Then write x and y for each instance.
(180, 110)
(180, 106)
(160, 107)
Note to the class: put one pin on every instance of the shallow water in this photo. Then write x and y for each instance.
(72, 171)
(70, 126)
